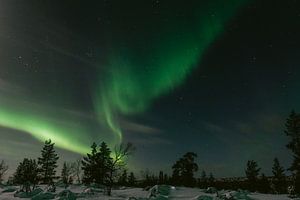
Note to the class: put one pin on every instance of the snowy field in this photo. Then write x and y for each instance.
(157, 192)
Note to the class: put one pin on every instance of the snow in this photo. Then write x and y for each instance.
(180, 193)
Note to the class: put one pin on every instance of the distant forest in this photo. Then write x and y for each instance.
(106, 168)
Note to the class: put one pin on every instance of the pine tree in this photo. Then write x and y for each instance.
(252, 172)
(211, 180)
(104, 163)
(166, 179)
(66, 174)
(293, 131)
(131, 179)
(96, 165)
(264, 184)
(89, 164)
(279, 178)
(184, 169)
(203, 180)
(3, 169)
(26, 174)
(123, 179)
(176, 174)
(161, 177)
(48, 163)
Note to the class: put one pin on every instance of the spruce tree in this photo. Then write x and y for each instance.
(123, 179)
(279, 178)
(48, 163)
(293, 131)
(3, 169)
(211, 180)
(166, 179)
(96, 164)
(252, 172)
(66, 174)
(184, 169)
(176, 174)
(203, 180)
(264, 184)
(131, 179)
(161, 177)
(26, 174)
(89, 165)
(104, 163)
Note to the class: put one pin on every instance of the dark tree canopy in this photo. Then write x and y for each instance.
(184, 169)
(95, 164)
(252, 172)
(48, 163)
(279, 178)
(292, 130)
(26, 174)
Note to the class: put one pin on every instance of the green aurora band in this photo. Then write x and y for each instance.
(138, 70)
(157, 61)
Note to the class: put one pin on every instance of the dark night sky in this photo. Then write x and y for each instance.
(211, 77)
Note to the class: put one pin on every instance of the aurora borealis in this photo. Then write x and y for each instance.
(128, 89)
(157, 73)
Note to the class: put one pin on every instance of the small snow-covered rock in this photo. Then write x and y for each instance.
(66, 195)
(44, 196)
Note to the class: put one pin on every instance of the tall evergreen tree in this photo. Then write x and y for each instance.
(176, 174)
(89, 165)
(252, 172)
(66, 174)
(48, 163)
(96, 164)
(131, 179)
(211, 180)
(184, 169)
(161, 177)
(203, 180)
(123, 179)
(104, 163)
(264, 184)
(3, 169)
(279, 178)
(26, 175)
(166, 179)
(293, 131)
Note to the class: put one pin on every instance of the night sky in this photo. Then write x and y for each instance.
(211, 76)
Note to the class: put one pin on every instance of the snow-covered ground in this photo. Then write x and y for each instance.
(181, 193)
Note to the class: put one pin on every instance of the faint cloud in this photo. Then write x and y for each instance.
(133, 127)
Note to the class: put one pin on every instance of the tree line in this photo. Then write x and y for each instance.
(107, 168)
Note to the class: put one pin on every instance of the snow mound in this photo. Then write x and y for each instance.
(160, 192)
(28, 194)
(211, 190)
(9, 189)
(204, 197)
(44, 196)
(66, 195)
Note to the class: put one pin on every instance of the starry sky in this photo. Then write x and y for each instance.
(211, 76)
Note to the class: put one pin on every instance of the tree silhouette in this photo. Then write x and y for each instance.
(117, 162)
(26, 174)
(184, 169)
(3, 169)
(252, 172)
(279, 178)
(48, 163)
(131, 179)
(293, 131)
(66, 174)
(264, 184)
